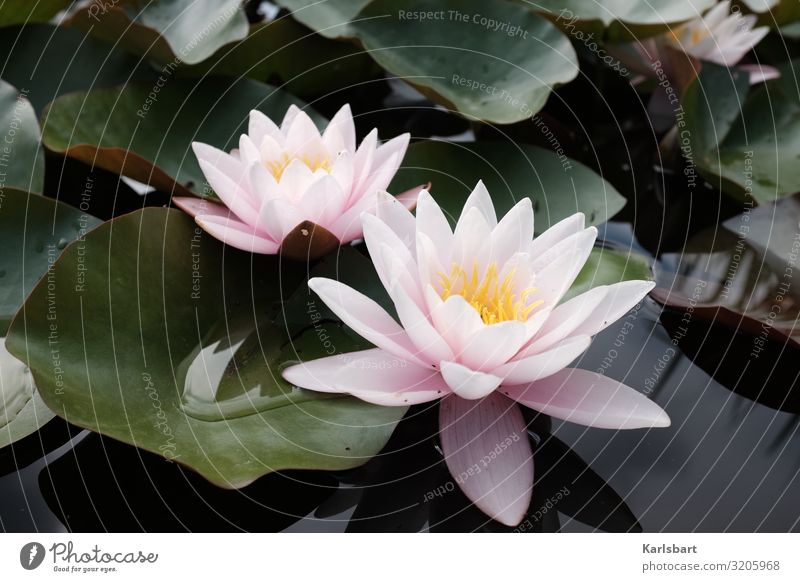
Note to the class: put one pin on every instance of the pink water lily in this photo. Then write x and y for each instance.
(282, 180)
(482, 325)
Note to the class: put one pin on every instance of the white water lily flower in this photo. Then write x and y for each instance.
(719, 36)
(482, 325)
(281, 178)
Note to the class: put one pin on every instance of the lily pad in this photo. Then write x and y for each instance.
(22, 11)
(21, 156)
(168, 346)
(33, 232)
(169, 30)
(487, 59)
(306, 64)
(145, 131)
(622, 19)
(608, 266)
(329, 18)
(557, 185)
(48, 61)
(747, 143)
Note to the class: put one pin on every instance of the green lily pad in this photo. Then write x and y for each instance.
(33, 232)
(22, 11)
(745, 140)
(557, 185)
(329, 18)
(166, 31)
(48, 61)
(168, 346)
(145, 131)
(21, 156)
(608, 266)
(622, 19)
(451, 51)
(306, 64)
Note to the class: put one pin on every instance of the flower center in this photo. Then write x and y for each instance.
(494, 299)
(278, 167)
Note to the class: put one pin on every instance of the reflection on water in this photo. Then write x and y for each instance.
(232, 374)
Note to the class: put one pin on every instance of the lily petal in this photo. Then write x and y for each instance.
(365, 317)
(237, 234)
(590, 399)
(479, 198)
(468, 384)
(486, 449)
(531, 368)
(374, 376)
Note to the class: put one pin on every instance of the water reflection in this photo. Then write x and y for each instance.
(104, 485)
(233, 372)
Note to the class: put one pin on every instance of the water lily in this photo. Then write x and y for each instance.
(290, 183)
(719, 36)
(482, 326)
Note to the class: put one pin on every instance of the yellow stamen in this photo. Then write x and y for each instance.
(278, 167)
(494, 299)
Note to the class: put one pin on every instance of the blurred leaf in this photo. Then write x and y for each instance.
(48, 61)
(145, 132)
(21, 156)
(22, 11)
(306, 64)
(557, 185)
(329, 18)
(167, 345)
(624, 19)
(745, 142)
(774, 12)
(502, 76)
(167, 30)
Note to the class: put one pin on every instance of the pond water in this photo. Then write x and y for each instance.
(729, 462)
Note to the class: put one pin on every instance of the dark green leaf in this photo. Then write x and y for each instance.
(459, 59)
(21, 156)
(748, 146)
(168, 345)
(48, 61)
(145, 131)
(558, 186)
(168, 30)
